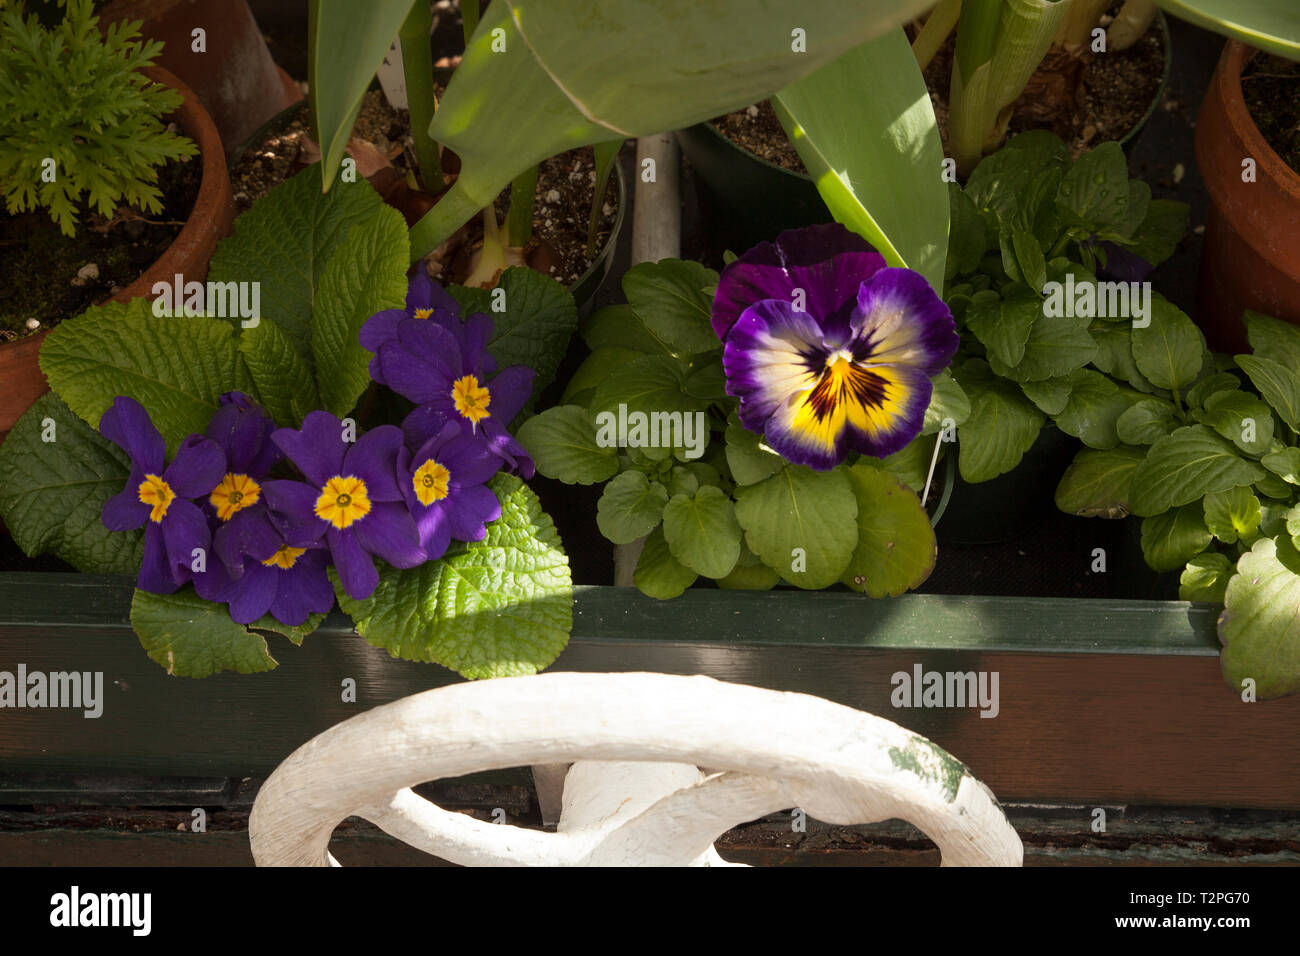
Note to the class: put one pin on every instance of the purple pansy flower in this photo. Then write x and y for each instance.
(158, 497)
(827, 349)
(291, 585)
(351, 499)
(243, 430)
(444, 487)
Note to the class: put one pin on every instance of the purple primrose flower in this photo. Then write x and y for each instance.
(243, 430)
(444, 487)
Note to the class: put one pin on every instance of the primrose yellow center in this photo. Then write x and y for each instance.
(285, 557)
(431, 480)
(423, 313)
(234, 494)
(471, 398)
(158, 494)
(343, 501)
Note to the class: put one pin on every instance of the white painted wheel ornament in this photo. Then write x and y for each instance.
(634, 795)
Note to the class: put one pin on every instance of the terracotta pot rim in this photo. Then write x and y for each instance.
(1228, 79)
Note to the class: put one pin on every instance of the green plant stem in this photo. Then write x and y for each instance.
(454, 208)
(417, 66)
(606, 156)
(523, 195)
(469, 11)
(937, 27)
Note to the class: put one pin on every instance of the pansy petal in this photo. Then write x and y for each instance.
(900, 321)
(254, 593)
(510, 391)
(317, 449)
(828, 262)
(773, 352)
(355, 567)
(198, 467)
(373, 459)
(128, 426)
(389, 532)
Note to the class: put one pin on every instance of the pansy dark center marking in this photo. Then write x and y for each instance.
(155, 492)
(285, 557)
(431, 481)
(343, 501)
(843, 381)
(471, 398)
(234, 494)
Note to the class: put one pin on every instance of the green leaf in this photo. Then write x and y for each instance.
(702, 532)
(1003, 325)
(658, 574)
(1271, 486)
(650, 384)
(1056, 346)
(896, 546)
(1022, 257)
(1092, 412)
(52, 493)
(1200, 393)
(874, 158)
(911, 465)
(1260, 624)
(1171, 350)
(563, 443)
(192, 637)
(537, 320)
(1094, 191)
(295, 633)
(670, 300)
(364, 275)
(1205, 578)
(1115, 354)
(1232, 514)
(802, 523)
(286, 240)
(1097, 483)
(707, 381)
(1170, 539)
(1050, 395)
(1272, 338)
(499, 607)
(1003, 424)
(619, 327)
(630, 507)
(1285, 464)
(1279, 385)
(683, 482)
(948, 403)
(597, 367)
(750, 461)
(1239, 416)
(1146, 422)
(1265, 24)
(749, 577)
(283, 381)
(1162, 228)
(967, 237)
(176, 367)
(1187, 465)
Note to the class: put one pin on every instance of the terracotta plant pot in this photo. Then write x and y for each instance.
(235, 78)
(1252, 250)
(210, 220)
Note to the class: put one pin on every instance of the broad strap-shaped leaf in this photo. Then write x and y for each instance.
(52, 492)
(364, 275)
(802, 523)
(874, 158)
(1189, 464)
(1266, 24)
(176, 367)
(701, 531)
(191, 637)
(630, 507)
(499, 607)
(563, 443)
(896, 545)
(1260, 623)
(1097, 483)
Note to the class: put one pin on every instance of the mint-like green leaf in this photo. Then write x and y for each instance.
(1056, 346)
(1205, 578)
(176, 367)
(52, 493)
(1050, 395)
(192, 637)
(499, 607)
(630, 507)
(365, 274)
(1260, 626)
(658, 574)
(1094, 191)
(619, 327)
(670, 300)
(563, 443)
(1092, 411)
(597, 367)
(1003, 424)
(1115, 354)
(911, 465)
(286, 240)
(1170, 540)
(1239, 417)
(948, 403)
(896, 546)
(1189, 464)
(1232, 514)
(1171, 350)
(1200, 393)
(653, 383)
(1097, 483)
(1146, 422)
(1285, 464)
(750, 461)
(702, 533)
(1272, 338)
(802, 523)
(1279, 385)
(283, 381)
(1003, 325)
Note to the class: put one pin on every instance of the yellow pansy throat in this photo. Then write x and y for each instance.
(471, 398)
(343, 501)
(157, 493)
(431, 480)
(285, 557)
(234, 494)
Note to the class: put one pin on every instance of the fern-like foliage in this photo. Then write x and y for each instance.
(78, 122)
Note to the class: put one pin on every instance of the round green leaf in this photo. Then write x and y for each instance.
(1232, 514)
(1239, 417)
(1097, 483)
(702, 532)
(1260, 624)
(192, 637)
(802, 523)
(658, 574)
(1205, 578)
(750, 461)
(896, 545)
(630, 507)
(1169, 540)
(562, 441)
(1171, 350)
